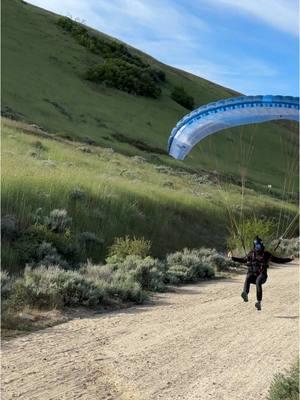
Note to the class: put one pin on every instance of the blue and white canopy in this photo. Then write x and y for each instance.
(227, 113)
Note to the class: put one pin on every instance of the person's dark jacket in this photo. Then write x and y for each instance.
(258, 262)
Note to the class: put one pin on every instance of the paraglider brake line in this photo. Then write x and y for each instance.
(286, 231)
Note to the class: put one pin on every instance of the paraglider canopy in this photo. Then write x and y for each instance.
(228, 113)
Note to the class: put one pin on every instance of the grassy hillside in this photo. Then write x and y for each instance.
(109, 195)
(43, 83)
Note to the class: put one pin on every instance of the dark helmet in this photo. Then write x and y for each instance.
(258, 243)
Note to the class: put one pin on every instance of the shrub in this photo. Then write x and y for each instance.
(96, 272)
(9, 229)
(121, 69)
(58, 221)
(6, 284)
(123, 247)
(106, 48)
(287, 247)
(127, 289)
(66, 23)
(46, 255)
(26, 246)
(37, 288)
(223, 263)
(38, 145)
(38, 245)
(182, 97)
(88, 141)
(65, 244)
(89, 237)
(285, 387)
(124, 76)
(189, 266)
(77, 194)
(148, 272)
(158, 75)
(88, 241)
(37, 215)
(79, 290)
(48, 287)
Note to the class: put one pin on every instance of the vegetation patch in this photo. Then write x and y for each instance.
(139, 144)
(243, 232)
(181, 97)
(60, 108)
(121, 69)
(74, 212)
(190, 266)
(128, 276)
(285, 386)
(287, 247)
(124, 76)
(8, 112)
(125, 246)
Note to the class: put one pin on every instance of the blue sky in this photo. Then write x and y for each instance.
(251, 46)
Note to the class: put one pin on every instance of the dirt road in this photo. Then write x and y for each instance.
(201, 342)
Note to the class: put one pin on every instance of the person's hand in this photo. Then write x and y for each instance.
(229, 254)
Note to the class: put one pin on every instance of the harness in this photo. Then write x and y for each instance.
(256, 264)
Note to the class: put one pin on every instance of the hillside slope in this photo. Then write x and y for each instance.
(110, 195)
(43, 83)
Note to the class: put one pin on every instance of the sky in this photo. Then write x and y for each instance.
(251, 46)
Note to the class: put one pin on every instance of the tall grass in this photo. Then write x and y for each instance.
(109, 196)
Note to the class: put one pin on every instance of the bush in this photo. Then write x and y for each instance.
(125, 76)
(127, 289)
(49, 241)
(6, 284)
(77, 194)
(189, 266)
(66, 23)
(89, 237)
(46, 255)
(285, 387)
(98, 45)
(122, 69)
(96, 272)
(222, 263)
(39, 146)
(123, 247)
(58, 221)
(287, 247)
(38, 288)
(54, 287)
(148, 272)
(9, 229)
(64, 242)
(181, 97)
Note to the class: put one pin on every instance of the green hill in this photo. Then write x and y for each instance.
(43, 82)
(109, 195)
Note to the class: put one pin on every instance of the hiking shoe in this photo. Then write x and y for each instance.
(258, 305)
(244, 296)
